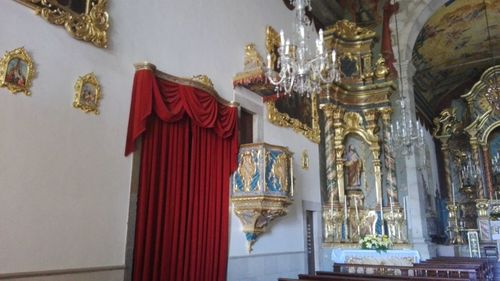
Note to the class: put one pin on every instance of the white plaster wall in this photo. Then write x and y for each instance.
(64, 181)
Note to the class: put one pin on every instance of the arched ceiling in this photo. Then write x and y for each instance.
(452, 50)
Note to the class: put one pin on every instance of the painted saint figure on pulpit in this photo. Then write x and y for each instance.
(354, 167)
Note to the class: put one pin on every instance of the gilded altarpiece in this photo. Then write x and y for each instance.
(361, 194)
(466, 145)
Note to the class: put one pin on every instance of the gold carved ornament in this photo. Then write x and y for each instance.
(280, 171)
(17, 71)
(350, 31)
(247, 170)
(91, 25)
(87, 94)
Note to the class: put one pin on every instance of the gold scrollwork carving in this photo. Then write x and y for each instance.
(272, 44)
(90, 25)
(350, 31)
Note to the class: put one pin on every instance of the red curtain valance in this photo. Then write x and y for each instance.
(169, 101)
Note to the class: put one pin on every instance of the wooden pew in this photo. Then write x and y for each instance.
(434, 270)
(483, 269)
(334, 276)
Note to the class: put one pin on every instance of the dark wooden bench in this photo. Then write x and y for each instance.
(393, 277)
(484, 269)
(334, 276)
(435, 270)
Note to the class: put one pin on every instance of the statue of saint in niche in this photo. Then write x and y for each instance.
(353, 166)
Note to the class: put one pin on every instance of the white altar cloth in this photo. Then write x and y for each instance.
(390, 257)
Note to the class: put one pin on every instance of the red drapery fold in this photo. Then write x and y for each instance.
(189, 149)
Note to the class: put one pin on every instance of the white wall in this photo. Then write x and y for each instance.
(64, 181)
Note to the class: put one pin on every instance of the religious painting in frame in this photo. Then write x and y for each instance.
(85, 20)
(87, 94)
(298, 112)
(17, 71)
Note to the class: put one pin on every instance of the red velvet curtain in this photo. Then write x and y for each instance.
(189, 149)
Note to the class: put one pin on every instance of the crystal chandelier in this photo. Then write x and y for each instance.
(300, 68)
(407, 135)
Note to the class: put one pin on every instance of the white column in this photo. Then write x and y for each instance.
(417, 224)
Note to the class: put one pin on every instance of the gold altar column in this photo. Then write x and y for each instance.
(331, 173)
(392, 191)
(333, 216)
(488, 174)
(475, 156)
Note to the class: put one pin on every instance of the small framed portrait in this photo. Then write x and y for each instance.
(17, 71)
(87, 93)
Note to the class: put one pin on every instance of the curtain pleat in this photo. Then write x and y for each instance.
(189, 150)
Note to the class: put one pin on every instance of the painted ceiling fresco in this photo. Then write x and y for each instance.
(452, 50)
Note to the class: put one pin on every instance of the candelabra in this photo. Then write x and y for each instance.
(405, 135)
(298, 69)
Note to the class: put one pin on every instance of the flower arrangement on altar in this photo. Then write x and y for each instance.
(375, 242)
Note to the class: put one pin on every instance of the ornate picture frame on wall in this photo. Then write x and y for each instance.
(17, 71)
(87, 94)
(85, 20)
(298, 113)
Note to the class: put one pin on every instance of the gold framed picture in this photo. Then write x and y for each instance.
(87, 93)
(17, 71)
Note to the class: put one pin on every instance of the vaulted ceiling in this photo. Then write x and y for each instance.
(452, 50)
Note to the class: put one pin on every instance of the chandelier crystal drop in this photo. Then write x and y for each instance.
(302, 69)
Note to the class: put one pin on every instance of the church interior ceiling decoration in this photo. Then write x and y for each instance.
(452, 51)
(17, 71)
(86, 20)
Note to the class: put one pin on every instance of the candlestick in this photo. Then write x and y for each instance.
(382, 219)
(345, 207)
(453, 192)
(390, 202)
(356, 207)
(282, 38)
(404, 208)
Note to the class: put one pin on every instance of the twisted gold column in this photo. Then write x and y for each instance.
(488, 172)
(389, 162)
(477, 162)
(331, 171)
